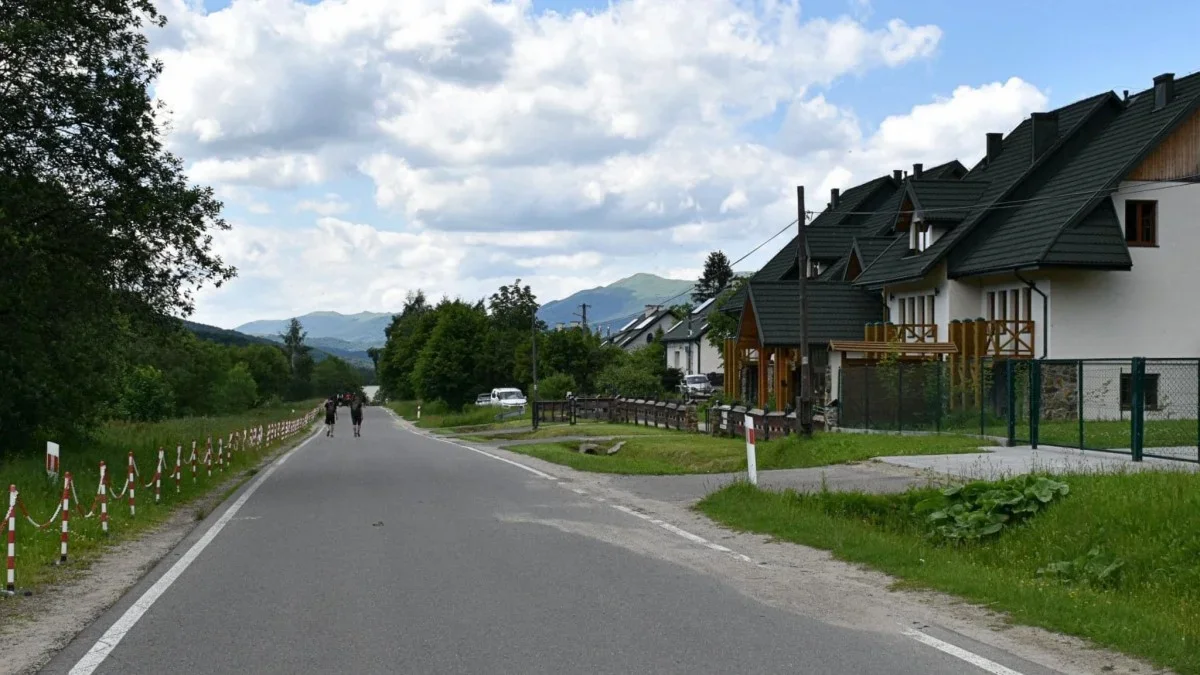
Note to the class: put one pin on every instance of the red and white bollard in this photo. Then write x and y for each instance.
(66, 517)
(103, 498)
(158, 476)
(132, 486)
(10, 585)
(208, 458)
(221, 454)
(178, 466)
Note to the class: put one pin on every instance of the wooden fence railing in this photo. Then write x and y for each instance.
(644, 412)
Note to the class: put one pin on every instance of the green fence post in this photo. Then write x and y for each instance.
(1079, 398)
(1197, 410)
(1137, 412)
(937, 415)
(899, 397)
(1035, 401)
(1010, 384)
(979, 401)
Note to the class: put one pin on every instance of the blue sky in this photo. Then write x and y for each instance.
(422, 189)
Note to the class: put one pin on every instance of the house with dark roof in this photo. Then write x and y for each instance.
(641, 329)
(761, 361)
(1062, 242)
(688, 348)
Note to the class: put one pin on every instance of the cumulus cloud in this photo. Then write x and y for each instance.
(499, 140)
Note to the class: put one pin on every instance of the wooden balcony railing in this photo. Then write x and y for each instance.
(905, 332)
(1010, 337)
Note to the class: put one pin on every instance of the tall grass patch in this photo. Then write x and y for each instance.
(1116, 559)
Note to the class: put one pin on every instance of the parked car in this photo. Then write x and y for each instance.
(696, 386)
(483, 399)
(508, 397)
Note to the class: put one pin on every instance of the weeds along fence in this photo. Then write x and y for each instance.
(1136, 406)
(172, 467)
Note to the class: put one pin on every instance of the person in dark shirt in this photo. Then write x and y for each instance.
(330, 415)
(356, 410)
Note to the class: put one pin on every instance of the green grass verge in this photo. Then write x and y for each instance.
(435, 417)
(591, 429)
(38, 550)
(1150, 521)
(677, 453)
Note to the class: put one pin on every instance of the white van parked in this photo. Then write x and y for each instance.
(508, 397)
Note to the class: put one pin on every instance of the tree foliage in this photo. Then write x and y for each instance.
(716, 276)
(722, 325)
(99, 227)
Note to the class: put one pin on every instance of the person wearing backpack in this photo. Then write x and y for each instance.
(356, 415)
(330, 415)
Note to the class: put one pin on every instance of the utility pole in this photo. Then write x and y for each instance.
(533, 359)
(804, 401)
(583, 316)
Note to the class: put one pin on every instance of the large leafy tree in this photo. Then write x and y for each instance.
(447, 369)
(98, 222)
(716, 276)
(406, 336)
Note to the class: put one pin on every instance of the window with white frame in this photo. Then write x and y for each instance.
(916, 309)
(920, 236)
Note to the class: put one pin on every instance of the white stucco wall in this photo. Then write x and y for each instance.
(1148, 311)
(664, 323)
(705, 358)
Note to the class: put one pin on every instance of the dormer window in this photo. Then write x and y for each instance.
(920, 236)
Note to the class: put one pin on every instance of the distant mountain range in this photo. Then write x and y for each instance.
(350, 332)
(612, 306)
(349, 336)
(322, 347)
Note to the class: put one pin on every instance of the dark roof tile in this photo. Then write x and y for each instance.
(837, 311)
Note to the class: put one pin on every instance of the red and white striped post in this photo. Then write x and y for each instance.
(103, 498)
(208, 458)
(66, 517)
(132, 486)
(158, 476)
(221, 454)
(178, 466)
(10, 584)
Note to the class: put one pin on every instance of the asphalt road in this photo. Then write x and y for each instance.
(398, 553)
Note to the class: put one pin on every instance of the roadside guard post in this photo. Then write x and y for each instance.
(52, 458)
(751, 463)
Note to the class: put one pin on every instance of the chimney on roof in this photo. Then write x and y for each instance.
(1164, 90)
(651, 309)
(835, 196)
(1125, 97)
(995, 143)
(918, 169)
(897, 175)
(1045, 132)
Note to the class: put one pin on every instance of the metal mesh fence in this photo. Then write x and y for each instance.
(1091, 404)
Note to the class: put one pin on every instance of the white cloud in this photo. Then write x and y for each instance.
(567, 148)
(330, 205)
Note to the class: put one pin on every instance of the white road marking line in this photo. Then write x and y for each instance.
(960, 653)
(578, 491)
(485, 454)
(695, 538)
(117, 632)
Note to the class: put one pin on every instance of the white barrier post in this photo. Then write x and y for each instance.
(10, 586)
(66, 517)
(178, 466)
(132, 485)
(158, 475)
(103, 490)
(751, 454)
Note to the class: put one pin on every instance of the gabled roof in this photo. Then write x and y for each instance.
(679, 332)
(644, 325)
(944, 200)
(1077, 180)
(1002, 175)
(837, 311)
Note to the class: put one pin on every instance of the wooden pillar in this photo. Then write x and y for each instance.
(763, 357)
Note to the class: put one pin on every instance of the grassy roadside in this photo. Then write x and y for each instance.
(669, 452)
(471, 419)
(1126, 547)
(38, 550)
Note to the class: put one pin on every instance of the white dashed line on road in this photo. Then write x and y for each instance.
(960, 653)
(694, 538)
